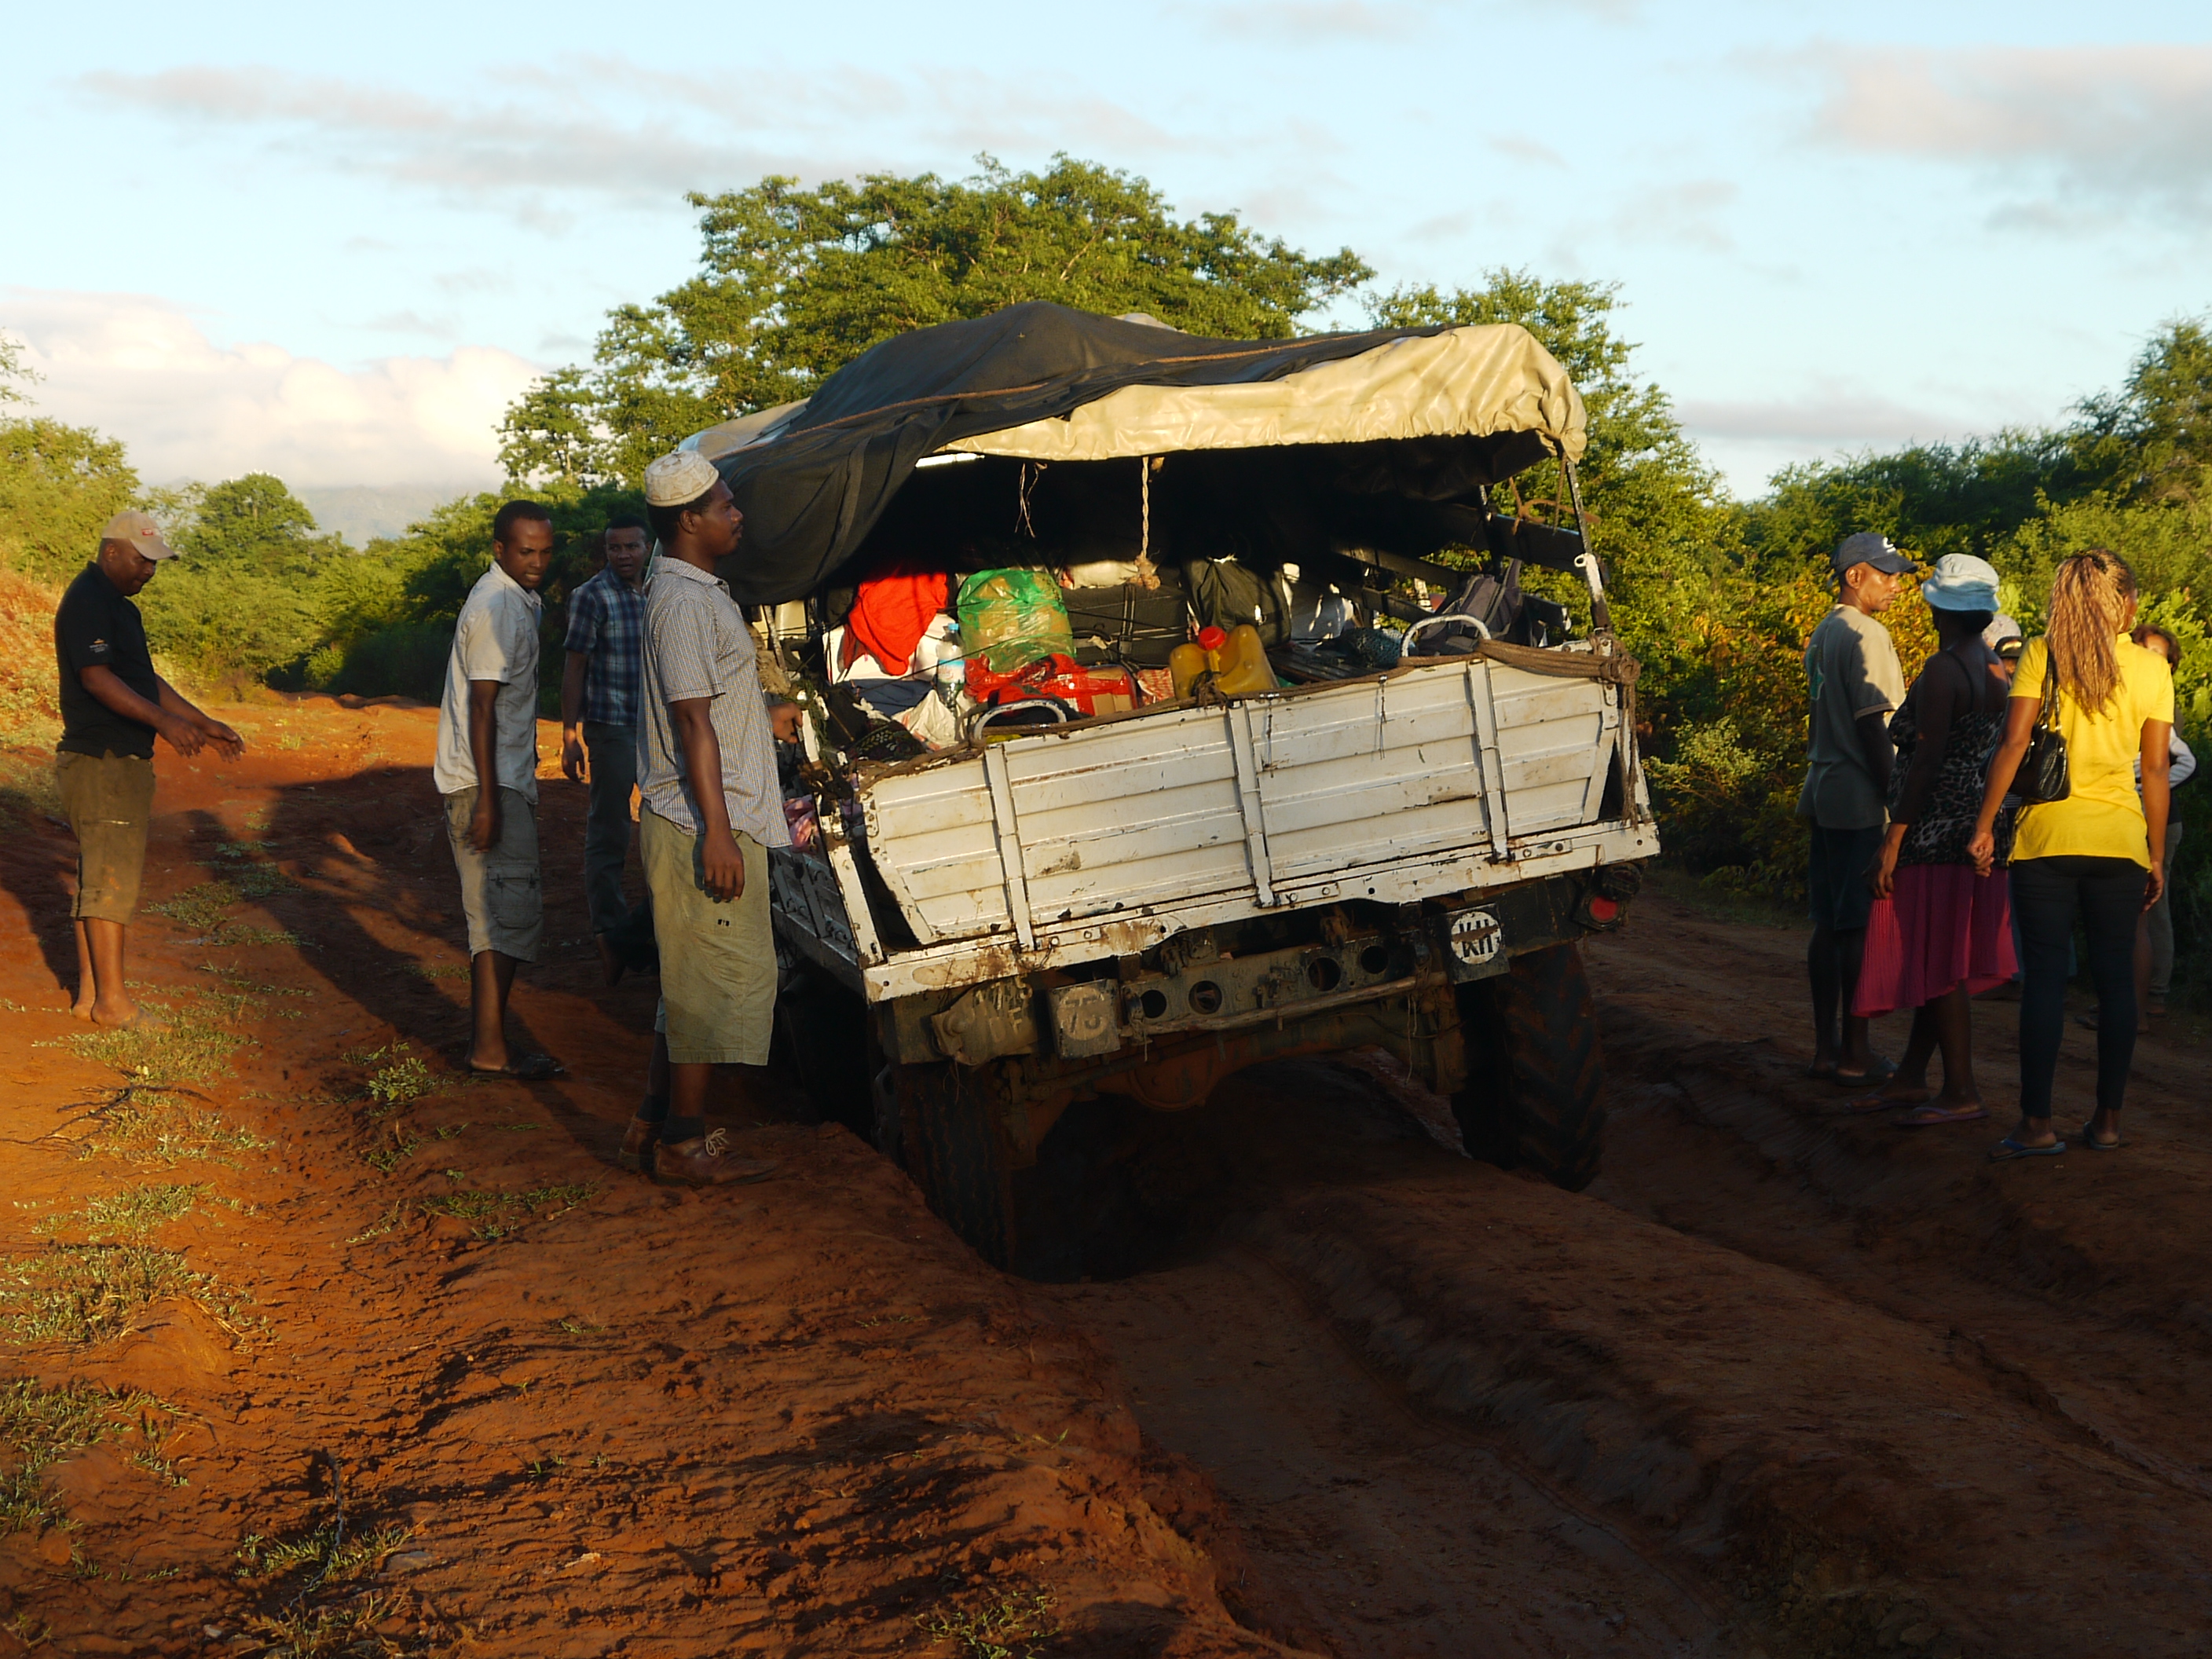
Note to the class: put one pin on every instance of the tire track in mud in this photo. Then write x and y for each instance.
(1825, 1388)
(1372, 1527)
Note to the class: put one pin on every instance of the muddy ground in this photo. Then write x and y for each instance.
(309, 1344)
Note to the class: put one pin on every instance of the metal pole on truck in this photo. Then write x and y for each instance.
(1586, 560)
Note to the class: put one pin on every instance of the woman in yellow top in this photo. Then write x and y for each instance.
(2092, 853)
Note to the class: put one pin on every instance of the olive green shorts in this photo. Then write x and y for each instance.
(717, 956)
(501, 893)
(110, 802)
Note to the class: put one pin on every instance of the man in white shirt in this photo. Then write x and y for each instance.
(487, 771)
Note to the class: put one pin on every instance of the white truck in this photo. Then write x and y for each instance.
(1140, 904)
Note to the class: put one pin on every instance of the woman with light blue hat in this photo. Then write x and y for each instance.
(1941, 930)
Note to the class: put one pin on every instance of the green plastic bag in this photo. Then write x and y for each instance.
(1012, 618)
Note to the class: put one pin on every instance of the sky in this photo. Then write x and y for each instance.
(334, 243)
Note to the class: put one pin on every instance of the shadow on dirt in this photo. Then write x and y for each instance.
(1119, 1189)
(39, 867)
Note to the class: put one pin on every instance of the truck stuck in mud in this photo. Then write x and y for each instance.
(1100, 874)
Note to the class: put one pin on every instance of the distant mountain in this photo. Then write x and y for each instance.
(360, 513)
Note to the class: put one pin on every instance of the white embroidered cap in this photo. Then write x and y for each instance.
(674, 480)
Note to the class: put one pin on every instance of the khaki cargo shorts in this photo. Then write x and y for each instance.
(109, 800)
(717, 959)
(500, 890)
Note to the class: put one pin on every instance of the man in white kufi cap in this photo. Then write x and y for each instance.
(710, 808)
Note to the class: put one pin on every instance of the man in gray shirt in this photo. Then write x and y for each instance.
(1856, 684)
(710, 809)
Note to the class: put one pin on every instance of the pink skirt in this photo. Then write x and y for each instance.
(1941, 926)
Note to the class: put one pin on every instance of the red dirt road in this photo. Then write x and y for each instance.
(1787, 1381)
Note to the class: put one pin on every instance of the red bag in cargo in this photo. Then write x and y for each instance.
(1100, 690)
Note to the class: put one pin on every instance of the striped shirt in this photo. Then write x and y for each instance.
(606, 623)
(698, 645)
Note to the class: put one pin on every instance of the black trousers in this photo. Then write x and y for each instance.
(2047, 894)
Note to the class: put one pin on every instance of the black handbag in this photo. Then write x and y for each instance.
(2044, 775)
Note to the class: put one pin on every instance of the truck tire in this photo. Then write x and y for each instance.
(823, 1030)
(956, 1152)
(1535, 1097)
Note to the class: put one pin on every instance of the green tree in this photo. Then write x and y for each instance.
(239, 601)
(2152, 439)
(794, 284)
(59, 485)
(12, 370)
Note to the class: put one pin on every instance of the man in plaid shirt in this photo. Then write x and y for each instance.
(598, 726)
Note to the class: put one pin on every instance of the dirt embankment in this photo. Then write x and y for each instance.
(1787, 1381)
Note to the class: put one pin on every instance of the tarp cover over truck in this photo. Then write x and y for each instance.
(1420, 417)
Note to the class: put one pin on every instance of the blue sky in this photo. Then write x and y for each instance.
(334, 242)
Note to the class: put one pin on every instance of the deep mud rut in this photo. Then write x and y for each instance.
(1787, 1381)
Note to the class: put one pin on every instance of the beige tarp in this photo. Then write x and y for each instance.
(1474, 380)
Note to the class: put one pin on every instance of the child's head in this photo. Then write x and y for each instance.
(783, 717)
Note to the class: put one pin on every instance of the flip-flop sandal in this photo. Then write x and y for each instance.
(525, 1068)
(1930, 1116)
(1878, 1071)
(2097, 1145)
(2008, 1149)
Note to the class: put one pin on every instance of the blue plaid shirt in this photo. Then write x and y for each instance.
(606, 622)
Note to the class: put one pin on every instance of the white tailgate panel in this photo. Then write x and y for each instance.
(1147, 812)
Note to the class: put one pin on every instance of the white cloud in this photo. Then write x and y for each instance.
(555, 136)
(2086, 130)
(1834, 415)
(142, 369)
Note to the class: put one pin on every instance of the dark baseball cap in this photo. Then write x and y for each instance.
(1867, 548)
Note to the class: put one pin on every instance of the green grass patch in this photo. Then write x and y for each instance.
(495, 1215)
(134, 1211)
(192, 1048)
(87, 1293)
(200, 909)
(446, 970)
(150, 1124)
(1014, 1626)
(394, 1151)
(238, 982)
(260, 881)
(40, 1425)
(403, 1080)
(334, 1560)
(326, 1632)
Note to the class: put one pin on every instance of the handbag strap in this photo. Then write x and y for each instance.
(2046, 716)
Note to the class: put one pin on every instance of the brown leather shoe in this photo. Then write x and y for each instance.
(705, 1163)
(638, 1142)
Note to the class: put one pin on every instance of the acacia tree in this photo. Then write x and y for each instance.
(794, 284)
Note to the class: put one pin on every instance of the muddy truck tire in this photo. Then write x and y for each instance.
(822, 1032)
(956, 1150)
(1535, 1097)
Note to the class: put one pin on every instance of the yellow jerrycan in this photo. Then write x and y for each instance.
(1237, 659)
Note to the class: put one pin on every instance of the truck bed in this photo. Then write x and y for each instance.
(1440, 775)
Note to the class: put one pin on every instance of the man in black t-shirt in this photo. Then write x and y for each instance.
(113, 706)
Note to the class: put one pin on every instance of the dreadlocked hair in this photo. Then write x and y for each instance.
(2089, 600)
